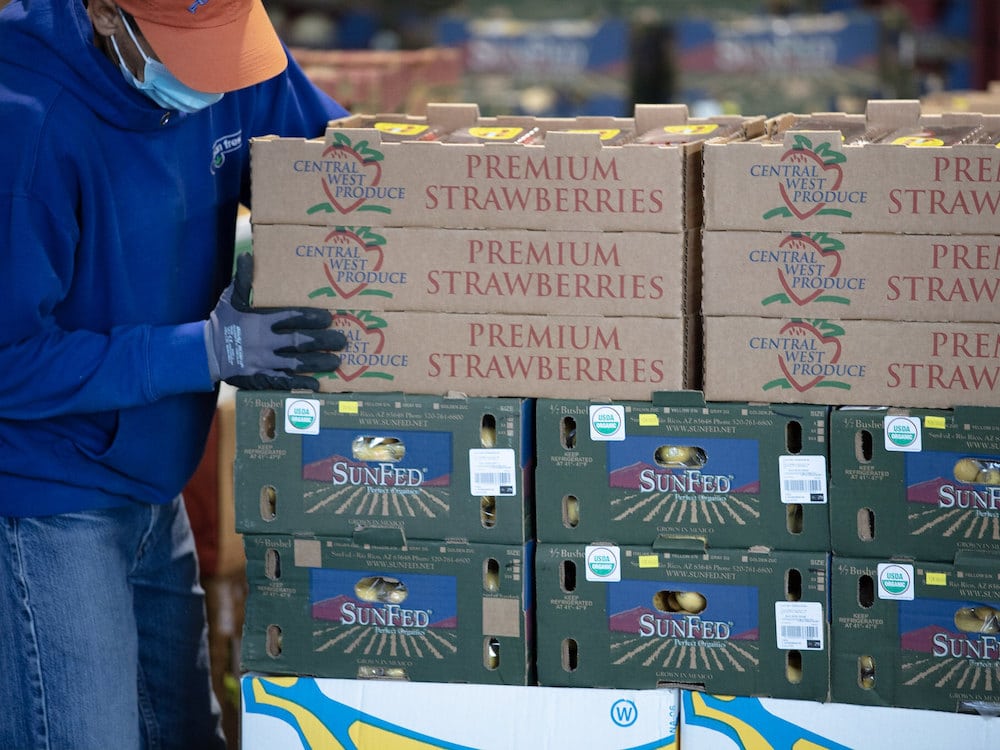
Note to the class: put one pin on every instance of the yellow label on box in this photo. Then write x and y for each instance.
(649, 420)
(347, 407)
(935, 423)
(936, 579)
(649, 561)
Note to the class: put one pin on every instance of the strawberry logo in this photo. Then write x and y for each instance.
(811, 171)
(352, 169)
(810, 350)
(807, 257)
(365, 342)
(359, 249)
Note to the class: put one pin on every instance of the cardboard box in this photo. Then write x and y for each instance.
(917, 483)
(727, 621)
(811, 182)
(320, 714)
(852, 276)
(716, 722)
(572, 182)
(479, 354)
(852, 362)
(916, 634)
(374, 607)
(732, 475)
(428, 466)
(475, 271)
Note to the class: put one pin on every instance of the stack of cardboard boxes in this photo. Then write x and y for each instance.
(863, 274)
(510, 482)
(474, 264)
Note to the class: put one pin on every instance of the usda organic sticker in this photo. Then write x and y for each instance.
(895, 581)
(902, 434)
(302, 416)
(603, 563)
(607, 422)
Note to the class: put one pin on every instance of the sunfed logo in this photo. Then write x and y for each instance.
(386, 616)
(808, 355)
(382, 475)
(363, 356)
(690, 627)
(352, 261)
(809, 181)
(351, 176)
(690, 481)
(808, 267)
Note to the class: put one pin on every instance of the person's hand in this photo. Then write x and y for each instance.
(266, 348)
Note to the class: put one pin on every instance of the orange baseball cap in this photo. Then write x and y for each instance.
(211, 45)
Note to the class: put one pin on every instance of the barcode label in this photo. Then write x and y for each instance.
(802, 479)
(799, 625)
(492, 472)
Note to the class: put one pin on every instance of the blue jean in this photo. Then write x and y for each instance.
(103, 637)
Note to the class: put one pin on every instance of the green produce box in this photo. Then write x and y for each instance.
(916, 483)
(374, 608)
(916, 634)
(732, 475)
(429, 466)
(726, 621)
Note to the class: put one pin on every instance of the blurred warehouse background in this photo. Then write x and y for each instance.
(572, 57)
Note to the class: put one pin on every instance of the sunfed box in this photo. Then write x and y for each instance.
(916, 483)
(733, 475)
(730, 621)
(431, 467)
(810, 181)
(723, 722)
(359, 175)
(916, 634)
(861, 276)
(483, 354)
(852, 362)
(325, 714)
(375, 607)
(475, 271)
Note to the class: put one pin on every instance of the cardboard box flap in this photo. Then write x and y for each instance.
(649, 116)
(452, 115)
(379, 537)
(678, 398)
(894, 113)
(680, 545)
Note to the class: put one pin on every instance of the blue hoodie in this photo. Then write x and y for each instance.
(116, 238)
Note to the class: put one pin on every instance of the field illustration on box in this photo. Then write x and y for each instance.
(953, 495)
(350, 174)
(673, 482)
(809, 181)
(950, 645)
(352, 261)
(808, 267)
(665, 626)
(404, 475)
(375, 614)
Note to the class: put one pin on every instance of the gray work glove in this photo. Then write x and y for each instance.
(265, 348)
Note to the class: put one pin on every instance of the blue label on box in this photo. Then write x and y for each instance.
(722, 613)
(390, 601)
(399, 459)
(703, 466)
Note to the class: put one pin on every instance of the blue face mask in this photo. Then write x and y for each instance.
(159, 84)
